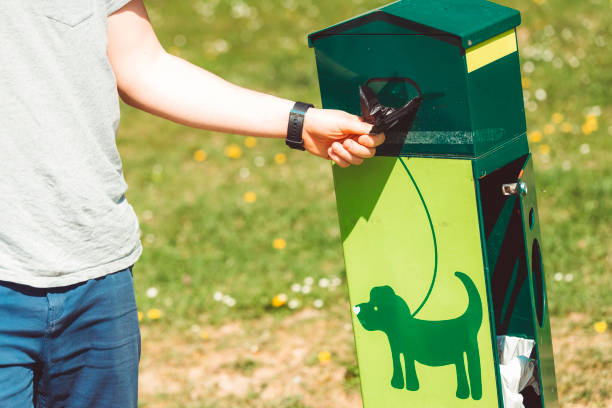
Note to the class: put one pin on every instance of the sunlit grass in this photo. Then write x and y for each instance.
(229, 224)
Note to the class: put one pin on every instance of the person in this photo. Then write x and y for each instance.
(69, 333)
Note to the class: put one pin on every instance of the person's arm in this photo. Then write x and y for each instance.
(152, 80)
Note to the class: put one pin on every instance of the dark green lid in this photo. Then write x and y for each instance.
(462, 22)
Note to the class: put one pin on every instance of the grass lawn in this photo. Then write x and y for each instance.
(229, 223)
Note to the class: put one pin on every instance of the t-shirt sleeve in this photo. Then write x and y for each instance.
(114, 5)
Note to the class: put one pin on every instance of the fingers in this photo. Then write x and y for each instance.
(349, 136)
(355, 126)
(337, 159)
(359, 150)
(345, 155)
(372, 141)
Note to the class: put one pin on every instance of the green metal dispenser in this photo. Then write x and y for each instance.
(440, 231)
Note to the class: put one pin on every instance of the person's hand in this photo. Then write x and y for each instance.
(339, 136)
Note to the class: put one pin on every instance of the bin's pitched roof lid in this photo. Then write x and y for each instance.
(465, 22)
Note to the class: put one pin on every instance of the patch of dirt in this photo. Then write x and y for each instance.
(260, 363)
(583, 363)
(265, 362)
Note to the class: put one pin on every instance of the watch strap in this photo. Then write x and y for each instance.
(296, 125)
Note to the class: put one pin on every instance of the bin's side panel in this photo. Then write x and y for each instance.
(546, 363)
(503, 233)
(412, 244)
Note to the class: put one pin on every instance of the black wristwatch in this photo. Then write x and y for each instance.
(296, 125)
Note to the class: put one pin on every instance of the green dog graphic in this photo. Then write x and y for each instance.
(432, 343)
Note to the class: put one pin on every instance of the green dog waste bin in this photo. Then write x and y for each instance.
(440, 231)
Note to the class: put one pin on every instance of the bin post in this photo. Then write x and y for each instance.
(440, 231)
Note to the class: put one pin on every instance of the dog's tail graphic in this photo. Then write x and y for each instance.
(473, 320)
(473, 314)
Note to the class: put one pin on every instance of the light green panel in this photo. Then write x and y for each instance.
(388, 241)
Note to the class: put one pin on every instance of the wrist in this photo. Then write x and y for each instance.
(295, 127)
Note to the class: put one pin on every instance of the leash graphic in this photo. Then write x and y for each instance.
(384, 118)
(433, 235)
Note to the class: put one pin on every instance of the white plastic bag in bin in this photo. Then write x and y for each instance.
(516, 369)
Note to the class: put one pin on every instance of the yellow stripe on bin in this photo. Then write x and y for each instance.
(490, 50)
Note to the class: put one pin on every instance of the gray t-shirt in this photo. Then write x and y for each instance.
(64, 218)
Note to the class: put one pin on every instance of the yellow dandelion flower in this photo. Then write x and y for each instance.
(204, 335)
(140, 316)
(535, 136)
(250, 197)
(199, 155)
(279, 243)
(557, 118)
(592, 122)
(324, 357)
(600, 326)
(567, 127)
(250, 142)
(279, 300)
(526, 83)
(233, 151)
(539, 2)
(544, 149)
(154, 314)
(587, 129)
(280, 158)
(549, 129)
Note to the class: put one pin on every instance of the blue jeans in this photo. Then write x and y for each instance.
(71, 347)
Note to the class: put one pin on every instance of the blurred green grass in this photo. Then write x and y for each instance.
(201, 237)
(196, 226)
